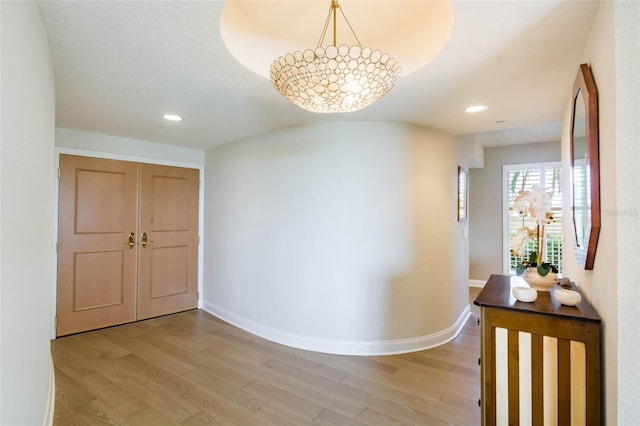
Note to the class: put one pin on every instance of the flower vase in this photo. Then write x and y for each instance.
(539, 282)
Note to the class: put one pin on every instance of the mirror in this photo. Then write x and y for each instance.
(585, 167)
(580, 175)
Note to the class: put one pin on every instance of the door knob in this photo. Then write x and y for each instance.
(132, 240)
(144, 240)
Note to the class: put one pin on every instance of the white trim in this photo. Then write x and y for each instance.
(51, 397)
(341, 347)
(97, 154)
(477, 283)
(505, 222)
(123, 157)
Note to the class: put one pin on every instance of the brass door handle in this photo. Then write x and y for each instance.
(132, 240)
(144, 241)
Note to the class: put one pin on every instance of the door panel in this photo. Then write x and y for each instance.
(167, 200)
(99, 201)
(96, 266)
(168, 265)
(98, 280)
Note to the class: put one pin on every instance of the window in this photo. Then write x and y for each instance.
(522, 177)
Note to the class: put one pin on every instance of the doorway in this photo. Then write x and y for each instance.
(127, 242)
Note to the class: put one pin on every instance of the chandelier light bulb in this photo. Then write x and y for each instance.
(336, 79)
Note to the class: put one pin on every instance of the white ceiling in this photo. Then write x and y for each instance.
(121, 65)
(413, 32)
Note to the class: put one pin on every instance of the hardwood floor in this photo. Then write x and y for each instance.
(193, 369)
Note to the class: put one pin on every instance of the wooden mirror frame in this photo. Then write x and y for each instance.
(585, 87)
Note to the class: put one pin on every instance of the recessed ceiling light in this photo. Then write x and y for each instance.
(475, 108)
(501, 122)
(172, 117)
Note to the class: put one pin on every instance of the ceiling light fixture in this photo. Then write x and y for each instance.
(172, 117)
(336, 78)
(476, 108)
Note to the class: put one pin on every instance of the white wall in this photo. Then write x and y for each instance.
(600, 285)
(27, 176)
(338, 237)
(627, 46)
(612, 286)
(106, 146)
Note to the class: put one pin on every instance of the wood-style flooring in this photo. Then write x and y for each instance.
(194, 369)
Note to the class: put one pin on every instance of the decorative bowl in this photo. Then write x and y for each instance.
(539, 282)
(567, 297)
(525, 294)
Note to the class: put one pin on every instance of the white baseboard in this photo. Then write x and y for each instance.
(338, 347)
(51, 398)
(477, 283)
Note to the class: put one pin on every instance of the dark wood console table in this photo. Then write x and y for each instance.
(540, 361)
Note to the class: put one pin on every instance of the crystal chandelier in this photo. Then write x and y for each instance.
(336, 78)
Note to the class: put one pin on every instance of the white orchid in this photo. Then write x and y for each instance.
(518, 241)
(536, 203)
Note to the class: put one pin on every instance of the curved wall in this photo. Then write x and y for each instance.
(27, 386)
(337, 237)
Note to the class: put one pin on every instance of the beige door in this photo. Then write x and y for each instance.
(127, 244)
(96, 264)
(168, 267)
